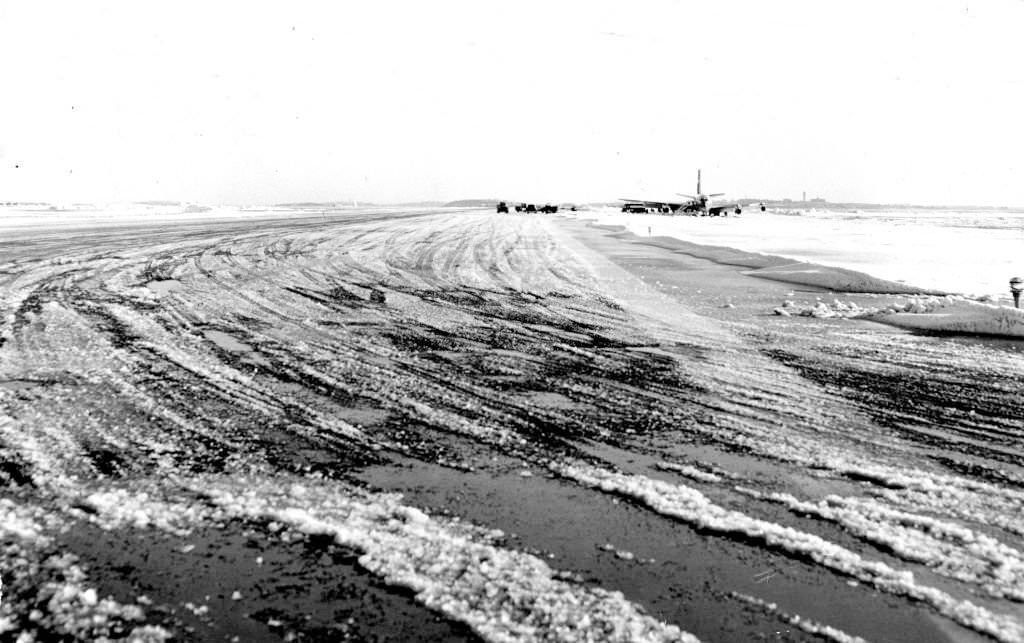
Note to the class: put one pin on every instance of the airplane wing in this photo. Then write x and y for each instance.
(652, 203)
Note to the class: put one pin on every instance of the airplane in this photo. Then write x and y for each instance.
(697, 205)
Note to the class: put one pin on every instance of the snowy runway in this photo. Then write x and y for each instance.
(251, 380)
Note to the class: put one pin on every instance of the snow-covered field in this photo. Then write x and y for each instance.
(205, 427)
(972, 254)
(20, 218)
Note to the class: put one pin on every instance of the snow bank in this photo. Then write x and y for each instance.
(694, 508)
(824, 310)
(950, 314)
(956, 315)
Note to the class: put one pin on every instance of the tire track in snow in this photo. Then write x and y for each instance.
(691, 506)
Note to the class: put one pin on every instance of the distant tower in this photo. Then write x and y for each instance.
(805, 197)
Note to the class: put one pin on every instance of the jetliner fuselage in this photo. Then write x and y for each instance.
(698, 204)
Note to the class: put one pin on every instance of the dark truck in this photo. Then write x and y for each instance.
(530, 207)
(502, 207)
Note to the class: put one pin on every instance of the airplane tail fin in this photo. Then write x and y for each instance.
(698, 181)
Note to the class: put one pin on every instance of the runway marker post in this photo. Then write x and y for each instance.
(1016, 286)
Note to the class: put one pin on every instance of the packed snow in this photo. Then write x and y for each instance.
(964, 252)
(951, 314)
(973, 254)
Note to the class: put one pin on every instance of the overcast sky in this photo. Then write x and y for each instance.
(257, 102)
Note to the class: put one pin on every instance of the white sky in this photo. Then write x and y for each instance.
(256, 102)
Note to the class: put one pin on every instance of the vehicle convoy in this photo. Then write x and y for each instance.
(547, 208)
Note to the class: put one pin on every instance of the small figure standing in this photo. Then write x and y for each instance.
(1016, 286)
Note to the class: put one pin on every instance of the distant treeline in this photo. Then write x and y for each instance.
(318, 204)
